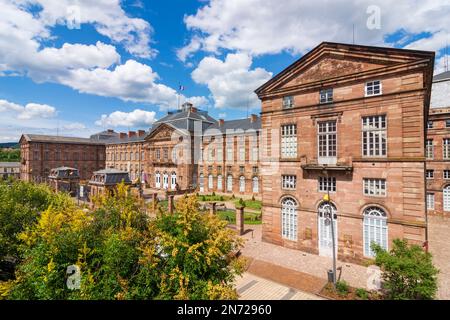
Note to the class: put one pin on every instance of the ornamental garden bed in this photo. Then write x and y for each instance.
(345, 292)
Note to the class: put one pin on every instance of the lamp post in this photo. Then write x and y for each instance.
(330, 216)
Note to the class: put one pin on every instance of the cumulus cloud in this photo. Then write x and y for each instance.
(442, 64)
(136, 118)
(231, 81)
(260, 27)
(29, 111)
(94, 69)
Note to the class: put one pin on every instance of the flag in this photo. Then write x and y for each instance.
(181, 88)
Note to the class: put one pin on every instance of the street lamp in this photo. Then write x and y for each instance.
(329, 218)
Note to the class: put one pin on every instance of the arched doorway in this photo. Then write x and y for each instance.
(173, 181)
(375, 229)
(202, 182)
(289, 218)
(324, 229)
(165, 181)
(241, 184)
(255, 186)
(157, 180)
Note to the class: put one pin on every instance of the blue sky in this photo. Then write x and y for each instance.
(80, 66)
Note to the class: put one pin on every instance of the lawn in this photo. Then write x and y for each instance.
(230, 216)
(211, 197)
(251, 204)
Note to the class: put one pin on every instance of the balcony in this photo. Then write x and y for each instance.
(343, 164)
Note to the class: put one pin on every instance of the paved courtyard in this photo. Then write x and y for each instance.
(251, 287)
(355, 275)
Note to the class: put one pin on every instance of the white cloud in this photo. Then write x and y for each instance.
(29, 111)
(441, 64)
(136, 118)
(93, 69)
(231, 81)
(267, 27)
(187, 51)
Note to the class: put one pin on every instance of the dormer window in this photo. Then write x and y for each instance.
(373, 88)
(326, 96)
(288, 102)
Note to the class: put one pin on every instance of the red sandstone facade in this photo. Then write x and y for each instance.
(40, 154)
(346, 120)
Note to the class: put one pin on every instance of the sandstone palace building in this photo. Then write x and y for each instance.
(352, 123)
(356, 123)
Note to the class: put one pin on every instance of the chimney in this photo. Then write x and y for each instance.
(187, 106)
(221, 122)
(131, 134)
(122, 135)
(110, 131)
(141, 133)
(253, 118)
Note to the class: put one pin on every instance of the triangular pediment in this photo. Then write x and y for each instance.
(164, 131)
(335, 61)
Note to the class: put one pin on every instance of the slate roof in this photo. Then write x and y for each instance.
(127, 139)
(60, 139)
(110, 176)
(232, 125)
(442, 76)
(104, 135)
(63, 172)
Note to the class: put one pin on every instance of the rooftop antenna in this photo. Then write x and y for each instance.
(353, 33)
(57, 128)
(446, 56)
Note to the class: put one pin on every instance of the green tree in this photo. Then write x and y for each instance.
(408, 271)
(10, 155)
(123, 254)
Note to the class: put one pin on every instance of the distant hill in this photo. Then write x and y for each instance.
(9, 145)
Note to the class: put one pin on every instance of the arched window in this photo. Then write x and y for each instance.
(446, 195)
(255, 184)
(375, 229)
(201, 182)
(157, 179)
(173, 180)
(289, 218)
(165, 180)
(210, 182)
(241, 184)
(219, 182)
(327, 211)
(230, 183)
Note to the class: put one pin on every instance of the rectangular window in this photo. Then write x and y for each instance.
(288, 102)
(374, 187)
(446, 174)
(242, 154)
(429, 149)
(326, 96)
(210, 154)
(255, 170)
(327, 184)
(166, 154)
(219, 169)
(289, 141)
(430, 124)
(374, 134)
(446, 148)
(229, 154)
(430, 174)
(373, 88)
(210, 168)
(157, 154)
(447, 123)
(327, 142)
(229, 169)
(241, 169)
(255, 154)
(430, 201)
(219, 154)
(288, 182)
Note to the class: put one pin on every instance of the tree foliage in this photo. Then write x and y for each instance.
(7, 155)
(408, 271)
(123, 254)
(20, 206)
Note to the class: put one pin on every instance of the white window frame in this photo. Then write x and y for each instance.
(220, 153)
(446, 174)
(219, 182)
(173, 180)
(242, 153)
(288, 182)
(375, 229)
(289, 218)
(230, 183)
(446, 148)
(288, 141)
(446, 198)
(430, 124)
(326, 96)
(326, 184)
(255, 185)
(376, 131)
(429, 149)
(288, 102)
(329, 157)
(373, 85)
(254, 154)
(431, 176)
(241, 184)
(210, 182)
(430, 201)
(374, 187)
